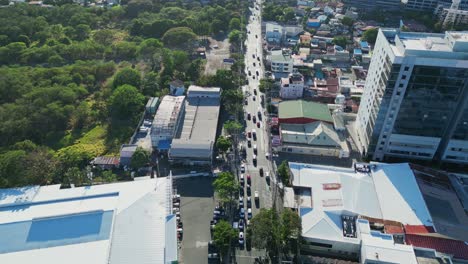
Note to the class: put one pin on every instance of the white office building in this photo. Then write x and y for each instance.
(415, 101)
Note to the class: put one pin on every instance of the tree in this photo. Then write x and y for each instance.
(226, 187)
(235, 37)
(82, 32)
(223, 235)
(233, 127)
(340, 41)
(76, 176)
(265, 228)
(223, 144)
(347, 21)
(283, 172)
(108, 176)
(127, 76)
(179, 38)
(150, 84)
(370, 35)
(140, 158)
(235, 23)
(126, 102)
(266, 85)
(290, 230)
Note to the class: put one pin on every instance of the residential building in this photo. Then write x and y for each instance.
(292, 87)
(196, 138)
(125, 222)
(274, 34)
(307, 3)
(415, 102)
(166, 121)
(313, 23)
(281, 63)
(378, 213)
(452, 15)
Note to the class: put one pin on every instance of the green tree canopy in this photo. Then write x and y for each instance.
(266, 85)
(233, 127)
(226, 187)
(283, 172)
(127, 76)
(223, 143)
(140, 158)
(126, 102)
(223, 236)
(235, 23)
(340, 41)
(347, 21)
(370, 35)
(179, 38)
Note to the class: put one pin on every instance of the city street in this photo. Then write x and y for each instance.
(254, 70)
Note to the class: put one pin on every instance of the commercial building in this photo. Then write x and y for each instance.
(292, 87)
(281, 63)
(378, 213)
(415, 101)
(129, 222)
(373, 4)
(453, 14)
(428, 5)
(166, 121)
(195, 141)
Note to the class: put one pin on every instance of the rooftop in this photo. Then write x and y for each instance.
(316, 133)
(166, 116)
(387, 191)
(109, 223)
(304, 109)
(278, 56)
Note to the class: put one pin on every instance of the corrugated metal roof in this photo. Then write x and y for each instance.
(458, 249)
(301, 108)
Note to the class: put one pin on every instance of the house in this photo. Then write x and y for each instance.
(292, 87)
(274, 34)
(305, 39)
(306, 3)
(177, 88)
(106, 162)
(313, 23)
(303, 112)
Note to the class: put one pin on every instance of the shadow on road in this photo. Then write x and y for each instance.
(194, 186)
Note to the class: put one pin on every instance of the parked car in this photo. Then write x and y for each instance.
(249, 202)
(241, 179)
(242, 212)
(249, 213)
(242, 168)
(256, 195)
(248, 179)
(241, 224)
(255, 148)
(258, 124)
(249, 116)
(241, 201)
(261, 172)
(249, 143)
(241, 238)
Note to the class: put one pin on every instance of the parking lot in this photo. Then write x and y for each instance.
(197, 206)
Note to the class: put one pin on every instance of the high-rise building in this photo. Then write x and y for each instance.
(415, 102)
(431, 5)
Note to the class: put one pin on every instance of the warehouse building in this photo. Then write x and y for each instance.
(166, 121)
(128, 222)
(196, 137)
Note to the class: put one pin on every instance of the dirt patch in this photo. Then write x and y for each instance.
(215, 53)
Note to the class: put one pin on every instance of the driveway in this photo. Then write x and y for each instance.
(215, 54)
(196, 211)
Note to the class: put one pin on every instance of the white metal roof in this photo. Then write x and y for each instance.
(388, 192)
(85, 224)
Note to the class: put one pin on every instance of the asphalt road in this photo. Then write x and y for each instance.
(254, 64)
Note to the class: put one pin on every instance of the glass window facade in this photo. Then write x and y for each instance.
(430, 100)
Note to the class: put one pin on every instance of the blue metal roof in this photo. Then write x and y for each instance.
(357, 52)
(164, 144)
(55, 231)
(364, 45)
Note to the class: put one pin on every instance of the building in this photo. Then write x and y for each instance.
(292, 87)
(166, 121)
(195, 140)
(126, 153)
(427, 5)
(452, 15)
(106, 162)
(274, 34)
(177, 87)
(281, 63)
(313, 23)
(415, 101)
(373, 4)
(316, 138)
(303, 112)
(128, 222)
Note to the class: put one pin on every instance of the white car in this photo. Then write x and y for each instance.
(242, 168)
(241, 238)
(249, 213)
(241, 179)
(255, 148)
(256, 195)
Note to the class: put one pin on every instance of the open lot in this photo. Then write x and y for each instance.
(196, 210)
(215, 56)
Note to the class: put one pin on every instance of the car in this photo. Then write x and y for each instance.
(258, 124)
(250, 73)
(254, 119)
(213, 256)
(249, 213)
(144, 129)
(255, 148)
(249, 191)
(212, 224)
(246, 102)
(261, 172)
(257, 72)
(255, 91)
(248, 179)
(241, 201)
(253, 56)
(254, 64)
(241, 191)
(249, 202)
(254, 160)
(258, 58)
(256, 36)
(212, 247)
(242, 212)
(249, 116)
(242, 168)
(248, 32)
(241, 238)
(253, 77)
(257, 197)
(241, 224)
(249, 134)
(215, 46)
(253, 98)
(267, 155)
(241, 179)
(249, 143)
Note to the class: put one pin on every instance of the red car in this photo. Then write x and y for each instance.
(248, 178)
(258, 124)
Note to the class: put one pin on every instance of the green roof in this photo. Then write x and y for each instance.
(301, 108)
